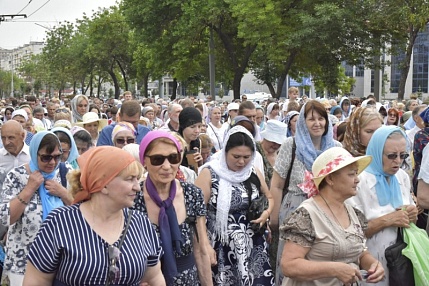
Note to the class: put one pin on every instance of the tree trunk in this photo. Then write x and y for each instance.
(145, 85)
(271, 89)
(405, 65)
(124, 75)
(74, 87)
(99, 86)
(285, 72)
(115, 82)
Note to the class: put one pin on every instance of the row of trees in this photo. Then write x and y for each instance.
(139, 40)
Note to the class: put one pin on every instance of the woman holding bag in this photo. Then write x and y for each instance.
(384, 192)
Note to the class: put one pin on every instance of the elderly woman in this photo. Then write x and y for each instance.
(230, 184)
(176, 210)
(21, 116)
(123, 133)
(30, 192)
(313, 136)
(93, 124)
(325, 241)
(383, 194)
(79, 106)
(114, 246)
(362, 124)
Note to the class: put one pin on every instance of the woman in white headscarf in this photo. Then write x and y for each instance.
(240, 247)
(79, 106)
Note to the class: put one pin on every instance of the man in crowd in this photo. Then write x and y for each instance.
(248, 109)
(172, 123)
(39, 113)
(128, 96)
(51, 108)
(130, 112)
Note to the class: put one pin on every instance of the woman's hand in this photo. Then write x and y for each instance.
(265, 215)
(347, 274)
(197, 156)
(410, 211)
(35, 180)
(375, 273)
(56, 189)
(398, 218)
(212, 254)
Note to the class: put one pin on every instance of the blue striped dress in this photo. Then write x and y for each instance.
(67, 245)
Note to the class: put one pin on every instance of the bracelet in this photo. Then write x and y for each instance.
(268, 212)
(21, 200)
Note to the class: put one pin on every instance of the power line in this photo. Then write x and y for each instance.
(39, 8)
(24, 7)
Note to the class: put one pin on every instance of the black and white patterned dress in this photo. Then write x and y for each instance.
(195, 207)
(244, 260)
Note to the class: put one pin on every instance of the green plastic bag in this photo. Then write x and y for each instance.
(418, 252)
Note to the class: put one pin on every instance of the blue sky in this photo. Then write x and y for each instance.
(21, 31)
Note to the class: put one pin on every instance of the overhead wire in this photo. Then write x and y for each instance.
(38, 8)
(24, 7)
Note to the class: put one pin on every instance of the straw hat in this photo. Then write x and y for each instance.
(334, 159)
(90, 117)
(275, 131)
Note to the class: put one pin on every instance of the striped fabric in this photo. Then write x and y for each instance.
(67, 245)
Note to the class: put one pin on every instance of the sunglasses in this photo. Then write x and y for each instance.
(114, 254)
(158, 160)
(65, 110)
(128, 140)
(48, 158)
(393, 156)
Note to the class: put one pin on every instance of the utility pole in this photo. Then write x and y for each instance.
(11, 82)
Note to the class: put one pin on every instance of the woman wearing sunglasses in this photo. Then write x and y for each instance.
(123, 133)
(384, 192)
(240, 247)
(98, 240)
(177, 211)
(30, 192)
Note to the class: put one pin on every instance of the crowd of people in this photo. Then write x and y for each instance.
(197, 192)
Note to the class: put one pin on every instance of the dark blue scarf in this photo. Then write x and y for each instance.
(168, 228)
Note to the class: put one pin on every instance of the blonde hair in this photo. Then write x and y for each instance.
(62, 116)
(73, 177)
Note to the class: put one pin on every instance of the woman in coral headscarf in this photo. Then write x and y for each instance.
(98, 241)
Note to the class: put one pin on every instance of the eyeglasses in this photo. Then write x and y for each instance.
(82, 105)
(48, 158)
(128, 140)
(65, 110)
(392, 114)
(158, 160)
(114, 254)
(393, 156)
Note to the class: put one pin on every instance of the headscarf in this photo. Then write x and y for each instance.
(287, 120)
(305, 151)
(11, 109)
(122, 126)
(98, 166)
(333, 108)
(76, 117)
(352, 137)
(74, 153)
(387, 193)
(227, 178)
(425, 115)
(270, 108)
(20, 112)
(345, 114)
(153, 135)
(49, 202)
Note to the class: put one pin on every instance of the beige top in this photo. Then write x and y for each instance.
(309, 226)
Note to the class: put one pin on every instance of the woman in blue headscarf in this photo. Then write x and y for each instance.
(313, 136)
(30, 192)
(384, 192)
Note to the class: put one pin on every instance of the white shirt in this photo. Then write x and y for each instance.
(410, 134)
(424, 169)
(216, 135)
(9, 161)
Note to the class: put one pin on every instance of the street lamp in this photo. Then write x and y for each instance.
(11, 82)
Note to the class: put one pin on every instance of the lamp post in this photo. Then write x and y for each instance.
(11, 82)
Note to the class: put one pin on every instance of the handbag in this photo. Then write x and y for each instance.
(417, 251)
(256, 206)
(400, 267)
(123, 234)
(286, 186)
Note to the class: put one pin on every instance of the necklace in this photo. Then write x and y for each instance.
(338, 222)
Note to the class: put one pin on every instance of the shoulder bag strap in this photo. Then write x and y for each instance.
(217, 138)
(286, 186)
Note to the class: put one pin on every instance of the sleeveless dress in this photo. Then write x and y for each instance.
(194, 204)
(244, 260)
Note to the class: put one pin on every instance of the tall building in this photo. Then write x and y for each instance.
(11, 59)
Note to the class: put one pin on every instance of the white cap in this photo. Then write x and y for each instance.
(275, 131)
(233, 106)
